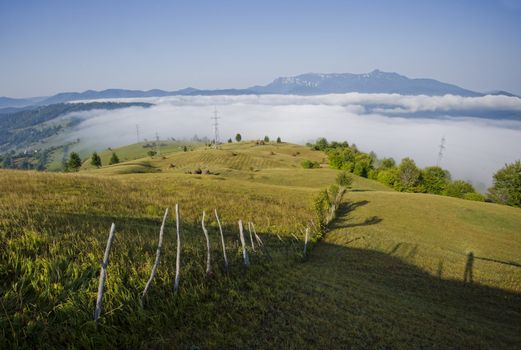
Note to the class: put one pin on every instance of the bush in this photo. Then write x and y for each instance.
(308, 164)
(344, 179)
(388, 177)
(321, 206)
(458, 189)
(474, 196)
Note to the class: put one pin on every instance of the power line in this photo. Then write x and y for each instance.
(158, 151)
(215, 119)
(440, 153)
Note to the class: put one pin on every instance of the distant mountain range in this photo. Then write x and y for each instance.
(304, 84)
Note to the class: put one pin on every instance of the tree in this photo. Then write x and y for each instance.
(279, 140)
(266, 139)
(74, 163)
(238, 137)
(321, 144)
(506, 187)
(409, 176)
(230, 140)
(435, 179)
(151, 153)
(95, 160)
(344, 179)
(458, 189)
(114, 159)
(185, 149)
(387, 163)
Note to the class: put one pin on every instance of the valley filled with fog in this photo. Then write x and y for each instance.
(389, 124)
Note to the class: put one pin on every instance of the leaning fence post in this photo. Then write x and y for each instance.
(251, 237)
(222, 241)
(259, 240)
(103, 273)
(178, 255)
(208, 260)
(306, 241)
(156, 262)
(244, 252)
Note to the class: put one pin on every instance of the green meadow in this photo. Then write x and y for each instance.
(394, 270)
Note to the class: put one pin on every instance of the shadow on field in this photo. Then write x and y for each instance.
(370, 299)
(343, 216)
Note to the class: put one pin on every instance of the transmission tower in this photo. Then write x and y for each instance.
(440, 153)
(215, 119)
(158, 151)
(137, 133)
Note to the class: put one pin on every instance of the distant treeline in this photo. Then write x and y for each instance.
(407, 177)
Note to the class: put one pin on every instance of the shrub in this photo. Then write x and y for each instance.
(388, 177)
(474, 196)
(321, 206)
(344, 179)
(308, 164)
(458, 189)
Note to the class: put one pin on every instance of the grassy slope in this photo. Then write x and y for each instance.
(389, 272)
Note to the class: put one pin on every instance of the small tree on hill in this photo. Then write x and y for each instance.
(114, 159)
(74, 163)
(238, 137)
(279, 140)
(266, 139)
(230, 140)
(95, 160)
(151, 153)
(409, 176)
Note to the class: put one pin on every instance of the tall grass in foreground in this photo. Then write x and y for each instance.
(53, 231)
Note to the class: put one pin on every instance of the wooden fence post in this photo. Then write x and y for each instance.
(208, 260)
(178, 256)
(103, 273)
(306, 241)
(156, 262)
(222, 241)
(251, 237)
(244, 252)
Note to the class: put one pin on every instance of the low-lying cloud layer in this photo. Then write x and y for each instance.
(475, 148)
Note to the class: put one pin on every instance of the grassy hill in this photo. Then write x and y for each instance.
(389, 273)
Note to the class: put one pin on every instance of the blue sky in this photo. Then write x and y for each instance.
(53, 46)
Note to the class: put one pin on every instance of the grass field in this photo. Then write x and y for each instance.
(389, 274)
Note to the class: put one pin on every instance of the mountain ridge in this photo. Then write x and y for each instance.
(376, 81)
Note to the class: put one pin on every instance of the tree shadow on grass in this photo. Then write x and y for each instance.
(343, 220)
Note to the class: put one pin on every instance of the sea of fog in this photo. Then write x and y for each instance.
(384, 123)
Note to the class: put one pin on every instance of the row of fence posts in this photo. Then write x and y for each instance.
(252, 235)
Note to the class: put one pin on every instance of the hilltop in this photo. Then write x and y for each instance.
(394, 269)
